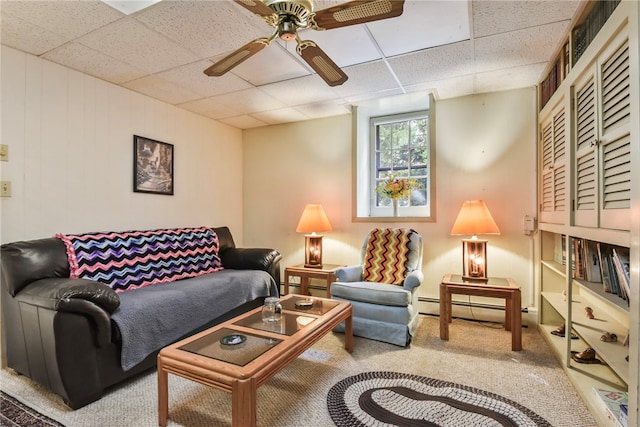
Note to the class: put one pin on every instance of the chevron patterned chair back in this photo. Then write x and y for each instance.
(383, 288)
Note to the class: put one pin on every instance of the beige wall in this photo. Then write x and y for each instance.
(71, 155)
(485, 149)
(70, 140)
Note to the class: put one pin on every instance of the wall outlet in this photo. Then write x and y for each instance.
(5, 188)
(4, 153)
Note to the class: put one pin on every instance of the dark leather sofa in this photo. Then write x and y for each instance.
(58, 330)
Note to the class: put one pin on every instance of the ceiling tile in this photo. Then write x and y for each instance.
(509, 78)
(247, 101)
(448, 88)
(283, 115)
(164, 90)
(208, 28)
(527, 46)
(367, 78)
(437, 63)
(69, 19)
(325, 109)
(131, 42)
(345, 46)
(303, 90)
(243, 122)
(27, 37)
(89, 61)
(272, 64)
(356, 99)
(495, 17)
(192, 77)
(210, 107)
(423, 24)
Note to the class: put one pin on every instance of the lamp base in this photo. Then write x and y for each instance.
(474, 259)
(313, 251)
(313, 266)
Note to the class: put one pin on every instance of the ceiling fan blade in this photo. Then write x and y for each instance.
(238, 56)
(255, 6)
(356, 12)
(321, 63)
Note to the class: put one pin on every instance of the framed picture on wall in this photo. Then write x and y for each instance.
(152, 166)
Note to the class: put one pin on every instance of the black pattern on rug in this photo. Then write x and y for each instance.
(407, 400)
(14, 413)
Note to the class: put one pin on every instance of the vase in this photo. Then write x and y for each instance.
(394, 202)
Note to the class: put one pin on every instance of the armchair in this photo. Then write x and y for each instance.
(383, 288)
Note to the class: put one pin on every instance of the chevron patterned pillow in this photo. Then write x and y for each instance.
(133, 259)
(385, 259)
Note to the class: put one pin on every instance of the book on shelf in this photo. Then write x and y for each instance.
(579, 267)
(610, 401)
(621, 262)
(559, 249)
(604, 268)
(592, 262)
(597, 262)
(624, 414)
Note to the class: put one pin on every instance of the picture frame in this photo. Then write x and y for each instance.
(152, 166)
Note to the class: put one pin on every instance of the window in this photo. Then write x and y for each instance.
(394, 137)
(400, 149)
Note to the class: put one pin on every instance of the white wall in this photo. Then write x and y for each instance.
(485, 147)
(70, 139)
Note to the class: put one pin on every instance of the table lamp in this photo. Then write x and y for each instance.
(313, 220)
(474, 218)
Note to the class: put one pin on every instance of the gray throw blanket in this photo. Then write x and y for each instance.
(153, 317)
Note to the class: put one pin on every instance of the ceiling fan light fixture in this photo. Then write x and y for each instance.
(287, 30)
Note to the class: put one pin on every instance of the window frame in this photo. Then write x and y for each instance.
(364, 163)
(385, 211)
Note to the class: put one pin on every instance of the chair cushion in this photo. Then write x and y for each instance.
(386, 255)
(374, 293)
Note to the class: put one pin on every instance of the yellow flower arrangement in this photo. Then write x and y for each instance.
(396, 188)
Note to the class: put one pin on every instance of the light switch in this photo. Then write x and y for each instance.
(4, 152)
(5, 188)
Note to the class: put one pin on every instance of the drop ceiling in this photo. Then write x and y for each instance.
(450, 48)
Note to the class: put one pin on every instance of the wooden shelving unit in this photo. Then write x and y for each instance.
(589, 116)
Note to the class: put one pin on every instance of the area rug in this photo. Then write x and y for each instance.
(399, 399)
(15, 414)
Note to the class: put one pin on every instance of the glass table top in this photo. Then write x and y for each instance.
(231, 346)
(309, 305)
(288, 325)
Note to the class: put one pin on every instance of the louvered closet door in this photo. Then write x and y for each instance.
(615, 140)
(553, 185)
(585, 170)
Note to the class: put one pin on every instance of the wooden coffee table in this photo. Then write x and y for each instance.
(254, 352)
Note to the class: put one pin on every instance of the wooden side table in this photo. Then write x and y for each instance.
(494, 288)
(327, 273)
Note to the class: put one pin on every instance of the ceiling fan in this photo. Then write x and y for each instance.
(287, 16)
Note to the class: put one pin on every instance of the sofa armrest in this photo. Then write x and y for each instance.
(80, 296)
(413, 280)
(253, 259)
(56, 293)
(352, 273)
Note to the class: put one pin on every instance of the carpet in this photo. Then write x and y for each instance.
(399, 399)
(13, 413)
(476, 355)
